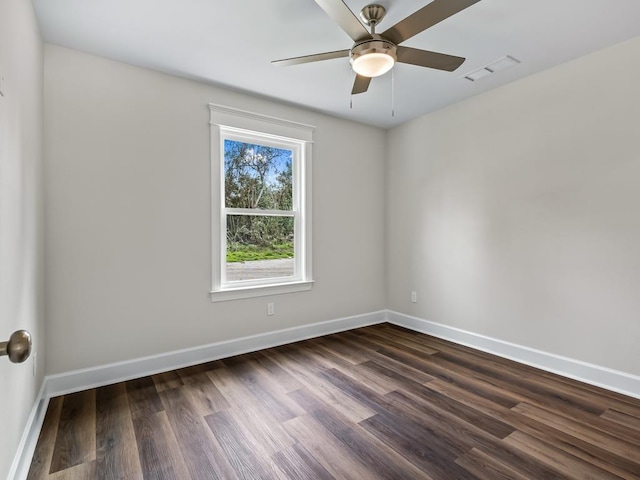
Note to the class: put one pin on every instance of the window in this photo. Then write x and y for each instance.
(261, 215)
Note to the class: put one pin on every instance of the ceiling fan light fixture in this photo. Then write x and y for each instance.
(373, 64)
(373, 58)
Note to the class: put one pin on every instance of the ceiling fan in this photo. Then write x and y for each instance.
(375, 54)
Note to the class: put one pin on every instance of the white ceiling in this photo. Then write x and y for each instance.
(231, 43)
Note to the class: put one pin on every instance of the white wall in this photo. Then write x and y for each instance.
(516, 214)
(128, 216)
(20, 215)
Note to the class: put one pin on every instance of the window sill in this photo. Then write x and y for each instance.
(260, 291)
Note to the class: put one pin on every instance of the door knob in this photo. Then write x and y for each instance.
(18, 348)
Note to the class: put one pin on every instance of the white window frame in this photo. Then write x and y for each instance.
(234, 124)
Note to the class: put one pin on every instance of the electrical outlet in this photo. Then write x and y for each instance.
(414, 297)
(271, 309)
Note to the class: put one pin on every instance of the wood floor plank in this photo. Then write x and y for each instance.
(287, 382)
(268, 394)
(395, 370)
(359, 392)
(165, 381)
(364, 447)
(378, 402)
(428, 398)
(329, 359)
(158, 449)
(194, 373)
(116, 452)
(207, 399)
(41, 461)
(561, 440)
(459, 418)
(254, 418)
(203, 455)
(76, 438)
(480, 357)
(433, 454)
(241, 450)
(436, 368)
(607, 397)
(296, 462)
(339, 348)
(377, 354)
(378, 383)
(533, 388)
(462, 433)
(629, 408)
(524, 388)
(337, 460)
(359, 372)
(622, 418)
(578, 430)
(417, 349)
(625, 432)
(571, 466)
(83, 471)
(305, 369)
(143, 397)
(470, 397)
(391, 423)
(257, 390)
(485, 467)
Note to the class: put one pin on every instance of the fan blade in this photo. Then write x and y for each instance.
(343, 16)
(424, 18)
(360, 85)
(425, 58)
(317, 57)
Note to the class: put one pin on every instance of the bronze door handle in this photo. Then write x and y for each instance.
(18, 348)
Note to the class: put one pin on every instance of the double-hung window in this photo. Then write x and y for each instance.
(261, 225)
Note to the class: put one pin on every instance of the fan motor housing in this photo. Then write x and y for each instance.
(379, 45)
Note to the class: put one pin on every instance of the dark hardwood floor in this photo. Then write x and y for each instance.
(379, 402)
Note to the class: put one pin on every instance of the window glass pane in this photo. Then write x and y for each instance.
(259, 247)
(257, 176)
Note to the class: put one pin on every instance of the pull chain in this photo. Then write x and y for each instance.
(393, 92)
(350, 94)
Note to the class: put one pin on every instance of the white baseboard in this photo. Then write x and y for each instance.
(22, 460)
(77, 380)
(607, 378)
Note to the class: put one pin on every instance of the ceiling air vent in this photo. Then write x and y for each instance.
(497, 66)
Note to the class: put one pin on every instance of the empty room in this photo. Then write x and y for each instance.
(319, 239)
